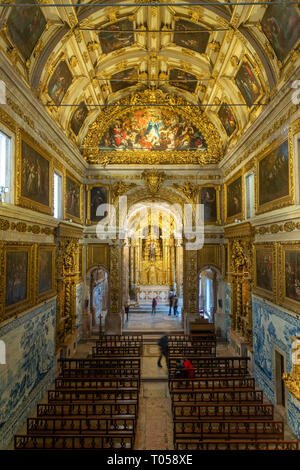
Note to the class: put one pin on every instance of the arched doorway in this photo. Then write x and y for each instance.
(97, 282)
(210, 284)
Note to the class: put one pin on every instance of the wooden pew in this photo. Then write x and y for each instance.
(119, 351)
(213, 383)
(213, 366)
(85, 372)
(106, 362)
(121, 338)
(103, 409)
(194, 338)
(83, 425)
(120, 383)
(91, 395)
(212, 396)
(183, 444)
(71, 442)
(192, 351)
(116, 344)
(223, 411)
(215, 429)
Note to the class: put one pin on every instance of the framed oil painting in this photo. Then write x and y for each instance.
(116, 36)
(209, 196)
(233, 194)
(248, 84)
(18, 277)
(96, 195)
(59, 82)
(281, 26)
(35, 175)
(275, 180)
(290, 275)
(186, 35)
(25, 26)
(152, 129)
(78, 118)
(46, 271)
(124, 79)
(227, 119)
(73, 199)
(265, 269)
(183, 80)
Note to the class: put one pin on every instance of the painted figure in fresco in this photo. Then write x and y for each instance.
(78, 118)
(35, 175)
(248, 84)
(227, 119)
(98, 197)
(124, 79)
(234, 198)
(186, 35)
(72, 198)
(274, 175)
(59, 82)
(116, 36)
(208, 198)
(16, 277)
(264, 270)
(148, 130)
(26, 25)
(281, 25)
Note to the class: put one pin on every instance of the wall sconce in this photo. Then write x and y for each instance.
(3, 191)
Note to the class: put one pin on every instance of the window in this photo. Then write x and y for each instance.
(57, 202)
(250, 195)
(5, 167)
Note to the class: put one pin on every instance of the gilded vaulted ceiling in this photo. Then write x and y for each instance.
(85, 59)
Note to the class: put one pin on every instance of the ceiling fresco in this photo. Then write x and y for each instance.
(81, 58)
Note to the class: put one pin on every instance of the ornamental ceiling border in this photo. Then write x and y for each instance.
(90, 144)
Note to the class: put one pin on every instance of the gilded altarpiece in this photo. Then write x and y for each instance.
(113, 319)
(190, 284)
(241, 278)
(67, 264)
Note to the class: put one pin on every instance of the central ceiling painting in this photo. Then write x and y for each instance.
(152, 129)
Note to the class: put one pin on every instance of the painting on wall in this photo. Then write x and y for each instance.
(97, 195)
(46, 270)
(208, 197)
(16, 263)
(248, 84)
(25, 26)
(264, 276)
(273, 174)
(73, 198)
(292, 275)
(234, 197)
(227, 118)
(35, 174)
(116, 36)
(60, 82)
(281, 25)
(152, 129)
(184, 80)
(124, 79)
(185, 36)
(78, 117)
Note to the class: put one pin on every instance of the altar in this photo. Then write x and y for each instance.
(147, 293)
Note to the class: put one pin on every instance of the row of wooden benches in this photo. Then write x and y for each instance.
(94, 405)
(222, 410)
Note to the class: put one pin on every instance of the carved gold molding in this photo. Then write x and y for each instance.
(24, 227)
(289, 226)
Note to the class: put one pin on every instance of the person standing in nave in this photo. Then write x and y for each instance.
(164, 349)
(171, 296)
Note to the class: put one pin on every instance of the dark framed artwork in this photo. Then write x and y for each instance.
(96, 196)
(264, 269)
(248, 84)
(59, 82)
(209, 197)
(78, 117)
(73, 198)
(17, 274)
(292, 275)
(186, 35)
(281, 25)
(124, 79)
(25, 26)
(34, 175)
(274, 177)
(184, 80)
(234, 198)
(46, 270)
(227, 119)
(116, 36)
